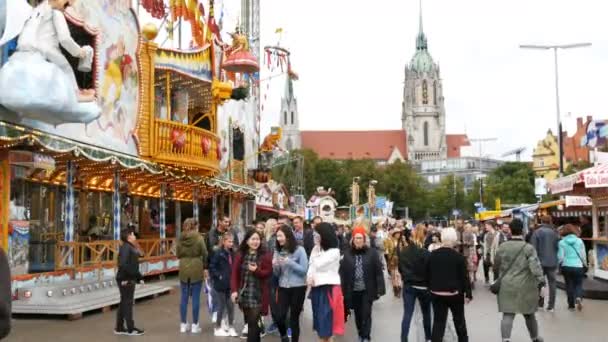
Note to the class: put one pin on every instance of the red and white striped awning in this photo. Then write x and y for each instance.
(593, 177)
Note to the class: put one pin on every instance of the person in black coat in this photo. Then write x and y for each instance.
(450, 287)
(362, 281)
(5, 296)
(127, 276)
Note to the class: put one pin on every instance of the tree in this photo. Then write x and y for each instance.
(448, 195)
(577, 166)
(400, 183)
(512, 182)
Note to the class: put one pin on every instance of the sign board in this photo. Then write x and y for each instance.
(598, 180)
(380, 202)
(578, 201)
(540, 186)
(563, 184)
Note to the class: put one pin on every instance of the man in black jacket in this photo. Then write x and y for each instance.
(413, 260)
(304, 236)
(545, 240)
(127, 277)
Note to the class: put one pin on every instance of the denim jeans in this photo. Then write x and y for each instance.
(573, 277)
(190, 290)
(410, 294)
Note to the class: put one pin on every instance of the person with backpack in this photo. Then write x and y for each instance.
(249, 282)
(521, 278)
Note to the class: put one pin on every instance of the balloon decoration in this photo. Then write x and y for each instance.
(206, 145)
(178, 139)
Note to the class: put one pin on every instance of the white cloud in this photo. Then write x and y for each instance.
(351, 54)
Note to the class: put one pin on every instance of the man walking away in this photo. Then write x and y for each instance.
(545, 240)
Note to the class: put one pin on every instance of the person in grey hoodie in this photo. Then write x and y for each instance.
(290, 265)
(545, 240)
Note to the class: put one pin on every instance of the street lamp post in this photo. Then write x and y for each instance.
(559, 120)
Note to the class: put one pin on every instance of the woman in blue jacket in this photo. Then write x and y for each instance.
(290, 264)
(220, 270)
(572, 258)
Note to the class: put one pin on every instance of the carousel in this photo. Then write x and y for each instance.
(109, 131)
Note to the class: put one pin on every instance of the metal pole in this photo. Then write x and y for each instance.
(559, 120)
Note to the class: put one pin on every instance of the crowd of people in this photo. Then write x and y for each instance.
(271, 268)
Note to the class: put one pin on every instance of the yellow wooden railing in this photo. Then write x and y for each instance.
(185, 145)
(70, 255)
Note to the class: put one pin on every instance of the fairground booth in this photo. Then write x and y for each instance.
(591, 183)
(124, 135)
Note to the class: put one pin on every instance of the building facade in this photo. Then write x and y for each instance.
(423, 112)
(421, 137)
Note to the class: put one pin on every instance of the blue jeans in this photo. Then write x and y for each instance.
(410, 295)
(190, 290)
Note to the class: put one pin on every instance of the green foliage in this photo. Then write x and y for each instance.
(512, 182)
(576, 167)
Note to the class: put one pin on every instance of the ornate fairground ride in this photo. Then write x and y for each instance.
(102, 128)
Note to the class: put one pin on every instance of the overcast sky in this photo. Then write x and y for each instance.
(350, 56)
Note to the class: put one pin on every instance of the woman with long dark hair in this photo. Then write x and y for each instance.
(127, 276)
(290, 264)
(324, 279)
(362, 281)
(249, 282)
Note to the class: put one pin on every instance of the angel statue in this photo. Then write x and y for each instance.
(38, 82)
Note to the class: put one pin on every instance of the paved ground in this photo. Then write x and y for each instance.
(160, 318)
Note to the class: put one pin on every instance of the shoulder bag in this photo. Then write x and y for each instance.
(585, 266)
(495, 287)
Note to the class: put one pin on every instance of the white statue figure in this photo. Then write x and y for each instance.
(38, 82)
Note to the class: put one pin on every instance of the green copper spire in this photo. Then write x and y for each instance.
(421, 43)
(422, 60)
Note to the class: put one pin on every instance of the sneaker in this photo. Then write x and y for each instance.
(214, 317)
(272, 329)
(579, 304)
(219, 332)
(183, 328)
(232, 332)
(244, 332)
(196, 329)
(121, 331)
(135, 332)
(571, 308)
(225, 324)
(289, 332)
(550, 309)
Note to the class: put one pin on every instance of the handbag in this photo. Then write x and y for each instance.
(495, 287)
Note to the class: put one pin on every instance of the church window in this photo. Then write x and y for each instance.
(425, 93)
(426, 133)
(435, 92)
(285, 117)
(292, 118)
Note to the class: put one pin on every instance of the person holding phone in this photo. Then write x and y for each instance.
(290, 264)
(249, 282)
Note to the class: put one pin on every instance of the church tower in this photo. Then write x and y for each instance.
(423, 111)
(290, 121)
